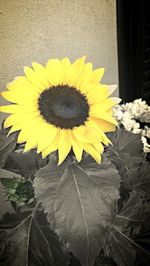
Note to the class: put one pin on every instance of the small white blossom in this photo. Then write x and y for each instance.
(136, 125)
(118, 112)
(137, 131)
(146, 149)
(130, 115)
(128, 124)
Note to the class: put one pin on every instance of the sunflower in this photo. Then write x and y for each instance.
(61, 106)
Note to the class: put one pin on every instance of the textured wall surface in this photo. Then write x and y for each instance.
(35, 30)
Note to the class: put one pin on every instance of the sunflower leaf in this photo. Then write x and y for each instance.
(45, 185)
(125, 250)
(5, 174)
(80, 203)
(7, 145)
(25, 164)
(127, 154)
(132, 219)
(126, 142)
(103, 260)
(134, 216)
(29, 235)
(141, 181)
(127, 149)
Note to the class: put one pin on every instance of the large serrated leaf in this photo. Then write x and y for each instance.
(80, 203)
(131, 221)
(126, 148)
(126, 152)
(25, 164)
(30, 242)
(134, 215)
(126, 142)
(7, 145)
(46, 183)
(121, 248)
(125, 250)
(141, 181)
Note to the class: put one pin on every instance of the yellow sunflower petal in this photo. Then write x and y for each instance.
(84, 72)
(14, 128)
(23, 135)
(106, 104)
(104, 138)
(87, 68)
(30, 130)
(33, 78)
(52, 147)
(99, 147)
(83, 82)
(66, 63)
(26, 123)
(45, 135)
(77, 148)
(54, 71)
(67, 71)
(97, 74)
(98, 93)
(17, 118)
(64, 145)
(78, 67)
(93, 152)
(96, 111)
(30, 144)
(41, 73)
(79, 64)
(101, 92)
(85, 86)
(8, 108)
(23, 84)
(19, 97)
(90, 80)
(86, 134)
(16, 109)
(104, 125)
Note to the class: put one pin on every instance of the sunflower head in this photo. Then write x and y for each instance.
(61, 106)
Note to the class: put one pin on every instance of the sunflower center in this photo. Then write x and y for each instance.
(63, 106)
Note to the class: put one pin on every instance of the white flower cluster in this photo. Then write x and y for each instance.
(131, 115)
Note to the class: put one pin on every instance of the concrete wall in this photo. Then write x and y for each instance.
(35, 30)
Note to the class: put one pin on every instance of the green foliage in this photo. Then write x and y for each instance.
(18, 191)
(84, 214)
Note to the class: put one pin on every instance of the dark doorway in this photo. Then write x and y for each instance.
(133, 28)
